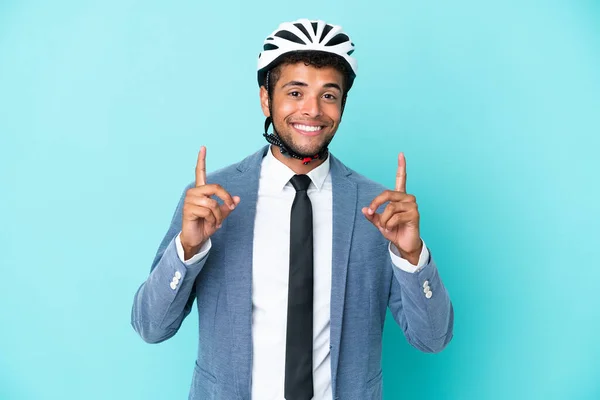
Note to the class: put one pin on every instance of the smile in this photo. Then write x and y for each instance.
(309, 130)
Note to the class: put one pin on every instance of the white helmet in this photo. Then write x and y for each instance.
(306, 35)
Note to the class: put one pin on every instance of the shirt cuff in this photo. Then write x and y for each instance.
(404, 264)
(197, 257)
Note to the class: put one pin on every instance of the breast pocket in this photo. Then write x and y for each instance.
(370, 254)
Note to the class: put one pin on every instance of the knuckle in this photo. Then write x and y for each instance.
(197, 192)
(207, 188)
(391, 208)
(202, 202)
(212, 203)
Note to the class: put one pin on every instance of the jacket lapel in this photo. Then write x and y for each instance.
(344, 213)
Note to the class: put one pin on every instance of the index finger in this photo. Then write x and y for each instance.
(201, 167)
(401, 174)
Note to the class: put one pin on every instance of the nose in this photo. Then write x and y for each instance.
(311, 106)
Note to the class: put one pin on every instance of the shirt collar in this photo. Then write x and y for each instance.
(276, 174)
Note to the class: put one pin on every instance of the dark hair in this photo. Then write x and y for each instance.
(315, 58)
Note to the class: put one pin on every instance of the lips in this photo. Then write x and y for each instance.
(308, 130)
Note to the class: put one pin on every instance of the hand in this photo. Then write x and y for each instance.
(202, 215)
(399, 222)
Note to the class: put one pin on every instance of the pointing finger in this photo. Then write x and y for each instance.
(401, 174)
(201, 167)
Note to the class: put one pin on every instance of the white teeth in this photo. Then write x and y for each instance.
(307, 128)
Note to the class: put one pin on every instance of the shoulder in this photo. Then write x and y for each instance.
(366, 187)
(221, 176)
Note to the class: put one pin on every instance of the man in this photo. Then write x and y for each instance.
(292, 257)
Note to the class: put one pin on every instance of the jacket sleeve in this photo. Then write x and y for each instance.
(166, 297)
(427, 320)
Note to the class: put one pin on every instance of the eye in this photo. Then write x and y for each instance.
(294, 94)
(329, 96)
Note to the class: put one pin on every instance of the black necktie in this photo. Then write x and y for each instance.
(299, 340)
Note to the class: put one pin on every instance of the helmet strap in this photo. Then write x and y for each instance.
(275, 140)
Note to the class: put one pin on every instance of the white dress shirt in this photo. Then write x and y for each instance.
(270, 273)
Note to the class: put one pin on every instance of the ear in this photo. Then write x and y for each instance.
(264, 101)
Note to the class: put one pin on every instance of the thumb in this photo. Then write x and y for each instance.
(374, 219)
(225, 210)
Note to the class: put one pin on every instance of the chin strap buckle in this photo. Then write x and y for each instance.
(306, 160)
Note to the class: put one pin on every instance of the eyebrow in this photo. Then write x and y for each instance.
(304, 84)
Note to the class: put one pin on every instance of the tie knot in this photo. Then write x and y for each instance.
(300, 182)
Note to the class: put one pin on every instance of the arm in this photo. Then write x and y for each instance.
(418, 299)
(166, 297)
(427, 320)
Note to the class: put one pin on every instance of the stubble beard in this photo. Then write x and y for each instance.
(287, 140)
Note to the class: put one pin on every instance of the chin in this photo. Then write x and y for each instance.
(307, 151)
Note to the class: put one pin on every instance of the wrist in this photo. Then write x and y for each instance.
(413, 255)
(190, 250)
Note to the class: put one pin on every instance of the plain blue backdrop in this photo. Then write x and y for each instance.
(496, 104)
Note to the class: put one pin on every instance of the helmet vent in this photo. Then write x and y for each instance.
(270, 46)
(314, 25)
(325, 32)
(337, 39)
(303, 29)
(289, 36)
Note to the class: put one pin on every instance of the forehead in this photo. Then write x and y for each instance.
(310, 75)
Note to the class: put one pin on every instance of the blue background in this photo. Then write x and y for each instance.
(496, 104)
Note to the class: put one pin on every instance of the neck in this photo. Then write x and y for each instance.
(294, 164)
